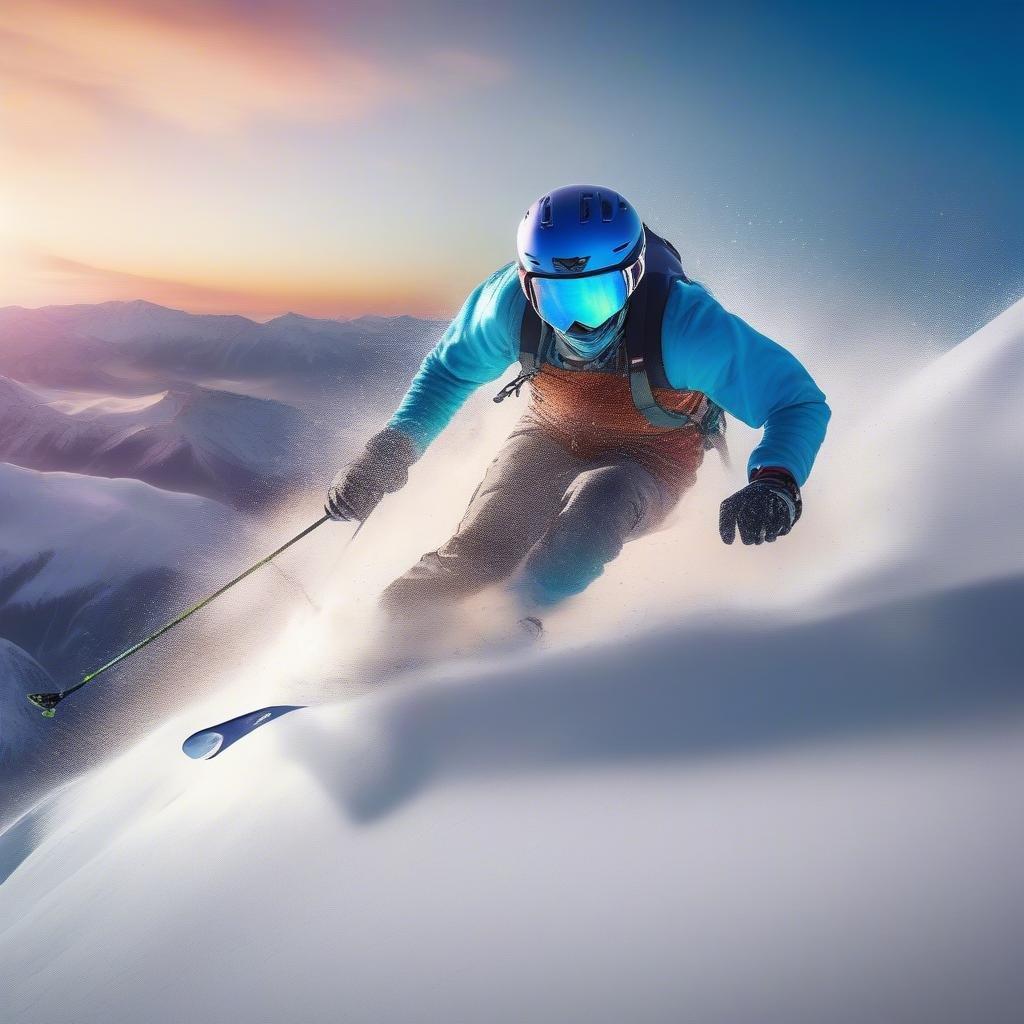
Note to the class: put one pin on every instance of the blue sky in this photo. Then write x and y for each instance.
(868, 146)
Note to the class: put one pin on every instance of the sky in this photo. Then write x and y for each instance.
(261, 156)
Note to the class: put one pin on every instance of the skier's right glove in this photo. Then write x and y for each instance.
(382, 469)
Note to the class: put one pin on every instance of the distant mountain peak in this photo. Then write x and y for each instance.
(96, 346)
(139, 304)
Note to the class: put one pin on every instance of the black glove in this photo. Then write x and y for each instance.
(382, 468)
(765, 509)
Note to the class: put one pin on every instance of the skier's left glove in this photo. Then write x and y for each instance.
(382, 468)
(763, 510)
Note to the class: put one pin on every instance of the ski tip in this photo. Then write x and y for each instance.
(214, 739)
(201, 746)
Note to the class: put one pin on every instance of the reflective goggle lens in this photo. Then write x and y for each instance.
(563, 301)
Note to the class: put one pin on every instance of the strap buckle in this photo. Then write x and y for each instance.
(513, 387)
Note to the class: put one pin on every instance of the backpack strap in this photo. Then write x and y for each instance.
(643, 351)
(530, 334)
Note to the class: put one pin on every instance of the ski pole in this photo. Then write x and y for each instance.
(48, 701)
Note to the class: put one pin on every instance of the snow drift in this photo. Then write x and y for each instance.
(796, 812)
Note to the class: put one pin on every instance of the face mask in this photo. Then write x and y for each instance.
(587, 345)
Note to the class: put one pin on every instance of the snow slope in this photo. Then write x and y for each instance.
(652, 833)
(230, 447)
(791, 813)
(934, 472)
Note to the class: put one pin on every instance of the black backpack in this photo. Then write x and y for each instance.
(642, 357)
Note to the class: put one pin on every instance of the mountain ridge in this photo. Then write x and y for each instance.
(234, 448)
(111, 344)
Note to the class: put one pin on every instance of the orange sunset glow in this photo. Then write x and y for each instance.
(207, 156)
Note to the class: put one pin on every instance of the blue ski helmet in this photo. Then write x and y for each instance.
(581, 255)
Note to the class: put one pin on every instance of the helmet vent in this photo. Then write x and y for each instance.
(606, 210)
(586, 198)
(617, 248)
(545, 212)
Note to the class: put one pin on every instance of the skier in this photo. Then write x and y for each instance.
(630, 366)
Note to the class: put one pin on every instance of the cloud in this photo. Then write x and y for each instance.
(68, 68)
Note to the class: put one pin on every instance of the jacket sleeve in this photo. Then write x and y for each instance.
(478, 346)
(708, 349)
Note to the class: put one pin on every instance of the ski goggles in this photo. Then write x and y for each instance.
(588, 299)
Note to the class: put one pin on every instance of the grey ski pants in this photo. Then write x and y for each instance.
(542, 515)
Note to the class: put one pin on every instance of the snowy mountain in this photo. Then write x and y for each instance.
(20, 726)
(796, 813)
(83, 558)
(97, 397)
(36, 348)
(93, 345)
(217, 444)
(87, 566)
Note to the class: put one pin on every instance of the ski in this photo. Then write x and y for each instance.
(215, 739)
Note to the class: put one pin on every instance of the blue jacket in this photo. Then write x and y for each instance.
(705, 348)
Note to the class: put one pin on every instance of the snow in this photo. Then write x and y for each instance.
(96, 529)
(87, 565)
(77, 403)
(20, 728)
(231, 447)
(958, 423)
(801, 808)
(555, 840)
